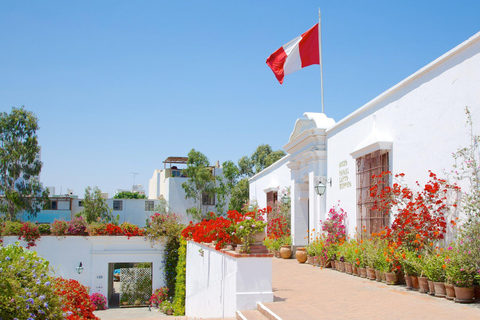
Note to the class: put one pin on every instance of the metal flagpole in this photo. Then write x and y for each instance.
(320, 51)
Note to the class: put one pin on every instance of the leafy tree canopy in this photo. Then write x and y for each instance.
(200, 182)
(95, 207)
(19, 169)
(129, 195)
(262, 158)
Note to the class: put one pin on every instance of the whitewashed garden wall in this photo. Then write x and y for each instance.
(95, 253)
(218, 283)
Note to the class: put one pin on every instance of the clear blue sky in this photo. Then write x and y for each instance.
(118, 86)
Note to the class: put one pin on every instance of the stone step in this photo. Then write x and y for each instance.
(250, 315)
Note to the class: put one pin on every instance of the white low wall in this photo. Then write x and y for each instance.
(95, 253)
(218, 283)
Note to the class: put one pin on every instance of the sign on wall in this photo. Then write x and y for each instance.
(343, 172)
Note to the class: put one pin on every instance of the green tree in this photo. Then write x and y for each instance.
(262, 158)
(239, 195)
(129, 195)
(95, 207)
(226, 182)
(200, 183)
(19, 169)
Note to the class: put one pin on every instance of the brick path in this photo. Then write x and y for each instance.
(302, 291)
(305, 292)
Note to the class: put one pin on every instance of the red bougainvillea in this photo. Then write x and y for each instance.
(218, 230)
(419, 217)
(74, 299)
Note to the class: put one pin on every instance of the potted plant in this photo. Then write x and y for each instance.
(460, 272)
(286, 247)
(251, 230)
(158, 296)
(167, 307)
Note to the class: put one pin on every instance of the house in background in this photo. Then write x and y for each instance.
(65, 207)
(167, 184)
(411, 128)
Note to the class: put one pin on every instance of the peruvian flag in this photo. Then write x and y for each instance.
(301, 52)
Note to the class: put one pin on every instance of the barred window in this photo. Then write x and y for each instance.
(149, 205)
(371, 164)
(208, 199)
(117, 205)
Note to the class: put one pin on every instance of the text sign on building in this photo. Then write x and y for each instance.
(343, 172)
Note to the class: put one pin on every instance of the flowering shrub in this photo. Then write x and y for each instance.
(77, 227)
(420, 217)
(112, 229)
(334, 225)
(99, 301)
(59, 227)
(11, 228)
(44, 228)
(25, 289)
(278, 227)
(29, 232)
(131, 230)
(180, 285)
(163, 225)
(222, 231)
(97, 228)
(159, 295)
(246, 228)
(74, 299)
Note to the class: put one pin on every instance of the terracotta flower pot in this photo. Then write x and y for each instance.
(440, 289)
(371, 274)
(301, 255)
(477, 292)
(332, 264)
(342, 266)
(415, 284)
(464, 295)
(348, 268)
(378, 275)
(363, 272)
(450, 291)
(391, 278)
(310, 260)
(286, 252)
(431, 288)
(355, 271)
(423, 284)
(408, 281)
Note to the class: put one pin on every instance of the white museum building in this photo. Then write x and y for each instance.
(411, 128)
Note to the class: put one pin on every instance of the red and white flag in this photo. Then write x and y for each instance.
(301, 52)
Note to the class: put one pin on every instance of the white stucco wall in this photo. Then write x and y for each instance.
(423, 117)
(217, 285)
(154, 185)
(133, 210)
(274, 178)
(95, 253)
(421, 121)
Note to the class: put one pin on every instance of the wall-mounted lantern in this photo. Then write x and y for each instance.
(79, 268)
(321, 187)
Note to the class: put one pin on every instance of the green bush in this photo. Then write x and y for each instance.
(179, 298)
(26, 288)
(44, 228)
(12, 228)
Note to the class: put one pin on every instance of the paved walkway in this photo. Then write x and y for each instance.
(305, 292)
(302, 291)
